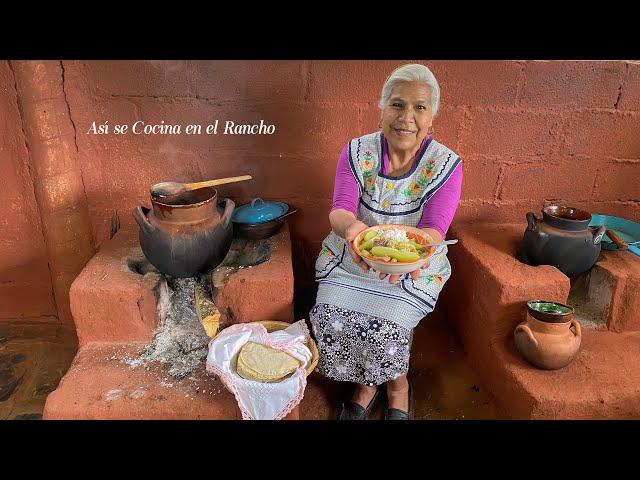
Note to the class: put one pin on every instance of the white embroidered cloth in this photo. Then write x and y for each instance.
(259, 400)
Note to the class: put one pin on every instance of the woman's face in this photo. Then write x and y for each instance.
(406, 118)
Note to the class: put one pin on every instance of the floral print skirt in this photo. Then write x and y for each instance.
(356, 347)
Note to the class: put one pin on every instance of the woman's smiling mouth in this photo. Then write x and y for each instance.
(404, 133)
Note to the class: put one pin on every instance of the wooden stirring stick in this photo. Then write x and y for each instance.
(166, 189)
(620, 243)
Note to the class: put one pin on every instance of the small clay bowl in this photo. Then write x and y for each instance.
(551, 312)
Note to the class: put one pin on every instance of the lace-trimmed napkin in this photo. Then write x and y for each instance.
(259, 400)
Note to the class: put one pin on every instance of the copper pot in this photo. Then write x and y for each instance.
(186, 234)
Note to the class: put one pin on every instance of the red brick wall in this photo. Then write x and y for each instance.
(529, 132)
(25, 282)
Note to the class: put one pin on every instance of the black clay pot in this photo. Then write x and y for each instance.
(562, 239)
(188, 234)
(257, 231)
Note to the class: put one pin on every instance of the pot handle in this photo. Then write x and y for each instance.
(140, 214)
(532, 221)
(525, 328)
(229, 207)
(576, 325)
(597, 236)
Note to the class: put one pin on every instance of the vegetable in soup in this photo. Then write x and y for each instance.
(392, 244)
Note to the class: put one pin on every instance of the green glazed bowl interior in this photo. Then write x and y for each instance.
(552, 308)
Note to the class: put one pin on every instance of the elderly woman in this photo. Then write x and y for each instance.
(363, 320)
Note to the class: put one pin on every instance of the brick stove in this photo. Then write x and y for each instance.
(116, 303)
(485, 300)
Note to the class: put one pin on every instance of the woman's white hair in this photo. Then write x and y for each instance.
(412, 72)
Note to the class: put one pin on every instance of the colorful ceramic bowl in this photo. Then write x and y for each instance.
(397, 267)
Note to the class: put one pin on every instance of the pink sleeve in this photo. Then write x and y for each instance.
(346, 194)
(439, 210)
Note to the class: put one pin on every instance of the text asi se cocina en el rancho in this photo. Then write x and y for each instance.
(140, 127)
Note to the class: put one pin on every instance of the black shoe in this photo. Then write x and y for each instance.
(353, 411)
(397, 414)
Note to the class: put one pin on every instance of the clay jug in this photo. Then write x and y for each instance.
(549, 338)
(186, 234)
(562, 238)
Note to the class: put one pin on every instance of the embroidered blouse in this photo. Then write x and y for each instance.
(437, 213)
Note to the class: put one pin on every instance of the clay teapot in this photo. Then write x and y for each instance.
(186, 234)
(562, 239)
(549, 338)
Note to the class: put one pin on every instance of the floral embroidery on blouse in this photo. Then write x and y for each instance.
(427, 173)
(385, 204)
(369, 182)
(367, 171)
(415, 188)
(326, 251)
(436, 278)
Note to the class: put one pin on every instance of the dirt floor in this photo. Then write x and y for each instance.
(445, 386)
(34, 356)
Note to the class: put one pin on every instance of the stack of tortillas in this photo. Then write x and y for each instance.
(264, 364)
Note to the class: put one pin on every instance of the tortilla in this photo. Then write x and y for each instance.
(264, 364)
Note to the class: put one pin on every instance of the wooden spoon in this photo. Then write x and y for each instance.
(620, 243)
(167, 189)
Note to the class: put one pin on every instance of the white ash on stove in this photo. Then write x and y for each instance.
(181, 341)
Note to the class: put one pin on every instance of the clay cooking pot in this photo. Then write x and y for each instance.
(186, 234)
(550, 337)
(562, 238)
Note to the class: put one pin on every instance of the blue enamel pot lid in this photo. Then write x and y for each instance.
(259, 211)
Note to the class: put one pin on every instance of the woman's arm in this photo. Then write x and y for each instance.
(346, 196)
(343, 223)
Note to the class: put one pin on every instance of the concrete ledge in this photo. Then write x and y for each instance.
(101, 385)
(621, 310)
(486, 300)
(263, 292)
(109, 301)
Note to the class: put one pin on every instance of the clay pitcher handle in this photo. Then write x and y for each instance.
(525, 328)
(532, 221)
(578, 330)
(597, 236)
(140, 215)
(229, 207)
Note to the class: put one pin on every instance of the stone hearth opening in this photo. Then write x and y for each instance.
(590, 295)
(138, 263)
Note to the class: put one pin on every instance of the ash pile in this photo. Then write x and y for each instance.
(180, 342)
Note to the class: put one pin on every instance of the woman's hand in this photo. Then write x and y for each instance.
(350, 233)
(394, 277)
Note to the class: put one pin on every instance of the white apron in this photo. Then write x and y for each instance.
(387, 200)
